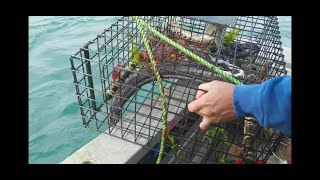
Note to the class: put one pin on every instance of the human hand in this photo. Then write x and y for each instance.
(215, 105)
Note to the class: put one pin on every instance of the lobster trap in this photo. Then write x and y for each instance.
(118, 93)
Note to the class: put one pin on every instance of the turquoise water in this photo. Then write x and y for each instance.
(55, 127)
(285, 32)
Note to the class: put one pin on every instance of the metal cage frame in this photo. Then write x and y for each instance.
(132, 111)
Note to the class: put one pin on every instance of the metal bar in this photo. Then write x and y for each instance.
(90, 80)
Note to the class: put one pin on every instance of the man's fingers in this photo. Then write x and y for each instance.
(203, 88)
(197, 104)
(205, 123)
(199, 94)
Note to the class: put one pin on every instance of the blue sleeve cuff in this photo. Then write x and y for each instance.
(269, 102)
(245, 100)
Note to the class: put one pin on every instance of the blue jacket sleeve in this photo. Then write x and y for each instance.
(269, 102)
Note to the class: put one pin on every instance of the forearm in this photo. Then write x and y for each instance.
(269, 102)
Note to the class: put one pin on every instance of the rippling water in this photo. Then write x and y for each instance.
(55, 128)
(285, 32)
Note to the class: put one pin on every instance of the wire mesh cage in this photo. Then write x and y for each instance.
(118, 94)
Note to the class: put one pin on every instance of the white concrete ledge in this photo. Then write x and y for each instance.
(104, 149)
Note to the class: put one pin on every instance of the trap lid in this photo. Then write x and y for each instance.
(224, 20)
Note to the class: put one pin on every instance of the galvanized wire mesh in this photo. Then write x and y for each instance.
(129, 106)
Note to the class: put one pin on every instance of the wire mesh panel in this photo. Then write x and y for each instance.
(118, 94)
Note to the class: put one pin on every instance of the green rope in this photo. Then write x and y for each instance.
(164, 104)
